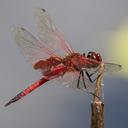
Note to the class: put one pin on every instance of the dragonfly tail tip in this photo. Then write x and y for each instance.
(7, 104)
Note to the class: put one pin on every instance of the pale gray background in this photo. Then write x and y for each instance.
(86, 24)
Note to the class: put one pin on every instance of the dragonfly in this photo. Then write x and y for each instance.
(54, 57)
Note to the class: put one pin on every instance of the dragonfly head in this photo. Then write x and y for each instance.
(94, 56)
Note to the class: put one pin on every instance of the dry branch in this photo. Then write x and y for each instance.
(97, 107)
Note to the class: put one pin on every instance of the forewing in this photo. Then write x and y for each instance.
(31, 47)
(110, 67)
(50, 35)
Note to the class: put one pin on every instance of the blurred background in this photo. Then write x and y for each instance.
(89, 25)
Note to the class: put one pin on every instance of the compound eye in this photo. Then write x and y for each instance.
(94, 57)
(99, 57)
(89, 55)
(98, 54)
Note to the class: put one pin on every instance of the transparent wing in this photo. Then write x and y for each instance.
(70, 79)
(110, 67)
(31, 47)
(50, 35)
(84, 84)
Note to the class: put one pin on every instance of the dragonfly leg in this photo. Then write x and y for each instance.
(94, 72)
(97, 77)
(79, 79)
(89, 77)
(86, 87)
(83, 79)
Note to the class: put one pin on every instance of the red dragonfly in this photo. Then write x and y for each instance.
(55, 58)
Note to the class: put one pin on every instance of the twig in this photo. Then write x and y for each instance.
(97, 107)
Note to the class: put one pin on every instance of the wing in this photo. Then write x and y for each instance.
(110, 67)
(32, 48)
(50, 35)
(70, 79)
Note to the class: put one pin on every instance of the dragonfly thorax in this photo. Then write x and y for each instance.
(80, 61)
(68, 60)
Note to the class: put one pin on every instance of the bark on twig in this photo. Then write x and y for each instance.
(97, 107)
